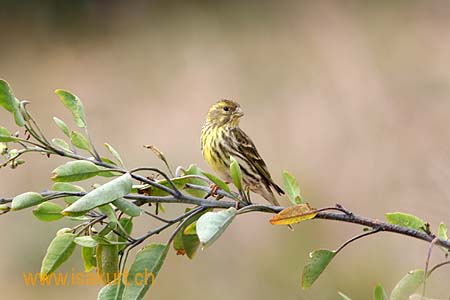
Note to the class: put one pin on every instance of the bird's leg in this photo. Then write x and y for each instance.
(247, 194)
(214, 188)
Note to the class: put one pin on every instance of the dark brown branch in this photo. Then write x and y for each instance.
(341, 217)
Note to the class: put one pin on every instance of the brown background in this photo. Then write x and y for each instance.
(351, 97)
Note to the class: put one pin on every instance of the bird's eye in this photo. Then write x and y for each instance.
(226, 108)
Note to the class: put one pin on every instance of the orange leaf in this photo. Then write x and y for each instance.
(294, 214)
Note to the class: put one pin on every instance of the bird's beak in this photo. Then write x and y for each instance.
(238, 112)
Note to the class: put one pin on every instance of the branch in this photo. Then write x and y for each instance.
(347, 217)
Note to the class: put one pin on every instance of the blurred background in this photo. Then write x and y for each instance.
(352, 97)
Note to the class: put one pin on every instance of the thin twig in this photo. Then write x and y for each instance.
(375, 230)
(438, 266)
(427, 263)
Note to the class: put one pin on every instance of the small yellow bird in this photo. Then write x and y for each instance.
(222, 138)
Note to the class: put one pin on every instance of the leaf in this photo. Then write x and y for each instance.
(317, 262)
(408, 285)
(108, 259)
(343, 296)
(108, 210)
(406, 220)
(9, 102)
(60, 143)
(127, 225)
(160, 155)
(179, 182)
(191, 229)
(222, 185)
(48, 212)
(236, 174)
(60, 123)
(86, 241)
(188, 243)
(74, 104)
(294, 214)
(443, 231)
(194, 170)
(79, 140)
(3, 148)
(5, 135)
(68, 187)
(110, 292)
(114, 153)
(88, 255)
(291, 187)
(110, 191)
(26, 200)
(143, 271)
(212, 224)
(7, 99)
(379, 293)
(75, 171)
(59, 250)
(127, 207)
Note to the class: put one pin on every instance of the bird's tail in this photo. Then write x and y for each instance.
(267, 194)
(277, 188)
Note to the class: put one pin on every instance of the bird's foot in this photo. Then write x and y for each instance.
(214, 188)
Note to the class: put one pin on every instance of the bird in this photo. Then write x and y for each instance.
(221, 137)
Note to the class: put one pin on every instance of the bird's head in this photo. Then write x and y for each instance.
(225, 112)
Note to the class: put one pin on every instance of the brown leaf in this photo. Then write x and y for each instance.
(294, 214)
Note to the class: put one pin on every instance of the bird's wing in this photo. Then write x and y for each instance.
(248, 149)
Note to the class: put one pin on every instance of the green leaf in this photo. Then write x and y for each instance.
(108, 259)
(194, 170)
(188, 243)
(86, 241)
(18, 118)
(108, 210)
(317, 262)
(127, 207)
(68, 187)
(73, 103)
(406, 220)
(5, 135)
(88, 255)
(344, 296)
(60, 123)
(408, 285)
(191, 229)
(127, 225)
(379, 293)
(75, 171)
(79, 140)
(26, 200)
(212, 224)
(114, 153)
(222, 185)
(60, 143)
(144, 270)
(236, 174)
(291, 187)
(179, 182)
(110, 191)
(48, 212)
(443, 231)
(112, 291)
(7, 99)
(59, 250)
(9, 102)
